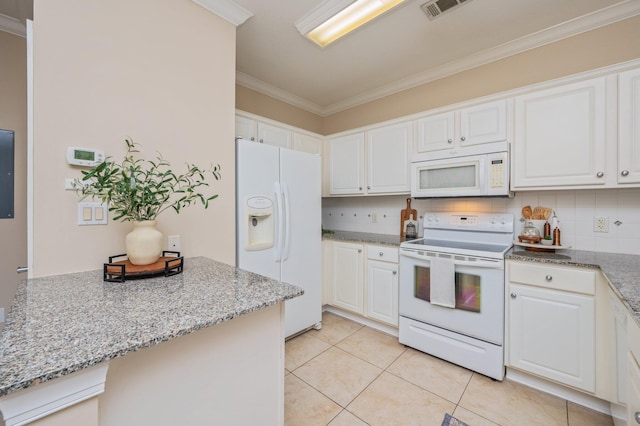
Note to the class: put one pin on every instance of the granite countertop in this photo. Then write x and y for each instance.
(64, 323)
(364, 237)
(622, 270)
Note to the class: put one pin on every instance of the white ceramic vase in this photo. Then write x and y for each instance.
(144, 243)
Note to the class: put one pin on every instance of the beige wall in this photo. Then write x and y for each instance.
(13, 116)
(160, 72)
(254, 102)
(604, 46)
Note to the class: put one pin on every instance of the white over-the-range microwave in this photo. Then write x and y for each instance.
(478, 175)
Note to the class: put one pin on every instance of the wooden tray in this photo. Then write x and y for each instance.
(171, 263)
(539, 247)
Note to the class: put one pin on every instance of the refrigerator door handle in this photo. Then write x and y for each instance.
(277, 254)
(287, 221)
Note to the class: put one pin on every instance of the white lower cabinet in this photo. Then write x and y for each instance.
(369, 289)
(633, 372)
(552, 323)
(382, 284)
(347, 276)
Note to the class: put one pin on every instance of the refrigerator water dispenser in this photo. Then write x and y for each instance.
(260, 226)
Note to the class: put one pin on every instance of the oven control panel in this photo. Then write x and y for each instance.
(495, 222)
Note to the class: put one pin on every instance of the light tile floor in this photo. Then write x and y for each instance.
(349, 374)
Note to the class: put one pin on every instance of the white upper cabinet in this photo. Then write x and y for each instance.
(457, 130)
(483, 123)
(388, 158)
(245, 128)
(306, 143)
(629, 127)
(274, 135)
(560, 136)
(346, 164)
(383, 162)
(436, 132)
(263, 130)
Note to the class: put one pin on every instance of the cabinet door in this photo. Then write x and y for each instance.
(306, 143)
(629, 127)
(388, 159)
(346, 164)
(347, 276)
(273, 135)
(552, 334)
(633, 391)
(382, 291)
(560, 136)
(245, 128)
(436, 132)
(483, 123)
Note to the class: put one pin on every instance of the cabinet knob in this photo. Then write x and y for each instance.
(514, 295)
(600, 174)
(395, 272)
(252, 138)
(625, 173)
(368, 187)
(463, 139)
(360, 188)
(359, 250)
(636, 416)
(449, 140)
(381, 254)
(548, 278)
(261, 141)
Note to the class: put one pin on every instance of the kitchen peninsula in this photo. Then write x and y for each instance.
(193, 348)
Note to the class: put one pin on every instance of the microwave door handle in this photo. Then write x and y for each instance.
(498, 264)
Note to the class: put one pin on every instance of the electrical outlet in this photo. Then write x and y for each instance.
(173, 242)
(600, 224)
(374, 218)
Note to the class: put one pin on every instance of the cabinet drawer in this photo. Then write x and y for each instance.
(383, 253)
(553, 277)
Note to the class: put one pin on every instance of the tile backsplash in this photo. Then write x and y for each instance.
(575, 210)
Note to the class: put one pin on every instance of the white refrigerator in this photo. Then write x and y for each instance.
(279, 225)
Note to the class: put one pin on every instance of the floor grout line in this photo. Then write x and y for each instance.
(386, 370)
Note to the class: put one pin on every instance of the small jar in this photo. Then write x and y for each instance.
(556, 237)
(547, 229)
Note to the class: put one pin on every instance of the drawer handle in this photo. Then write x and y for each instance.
(548, 278)
(637, 416)
(514, 295)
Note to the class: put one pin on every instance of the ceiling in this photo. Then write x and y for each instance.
(400, 49)
(396, 51)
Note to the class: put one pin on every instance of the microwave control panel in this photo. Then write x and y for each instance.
(496, 173)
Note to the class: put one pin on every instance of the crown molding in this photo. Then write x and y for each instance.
(228, 10)
(13, 26)
(253, 83)
(592, 21)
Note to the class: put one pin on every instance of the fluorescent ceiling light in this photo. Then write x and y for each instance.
(334, 18)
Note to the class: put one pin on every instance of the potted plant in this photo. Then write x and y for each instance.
(138, 190)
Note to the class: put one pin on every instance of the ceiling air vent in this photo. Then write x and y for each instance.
(435, 8)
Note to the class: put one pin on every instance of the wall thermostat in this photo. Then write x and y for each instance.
(77, 156)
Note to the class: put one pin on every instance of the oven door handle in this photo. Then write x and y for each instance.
(493, 264)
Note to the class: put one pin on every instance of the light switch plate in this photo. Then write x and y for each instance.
(91, 215)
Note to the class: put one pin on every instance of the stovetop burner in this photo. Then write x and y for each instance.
(477, 234)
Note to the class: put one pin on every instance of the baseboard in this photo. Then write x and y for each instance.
(362, 320)
(560, 391)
